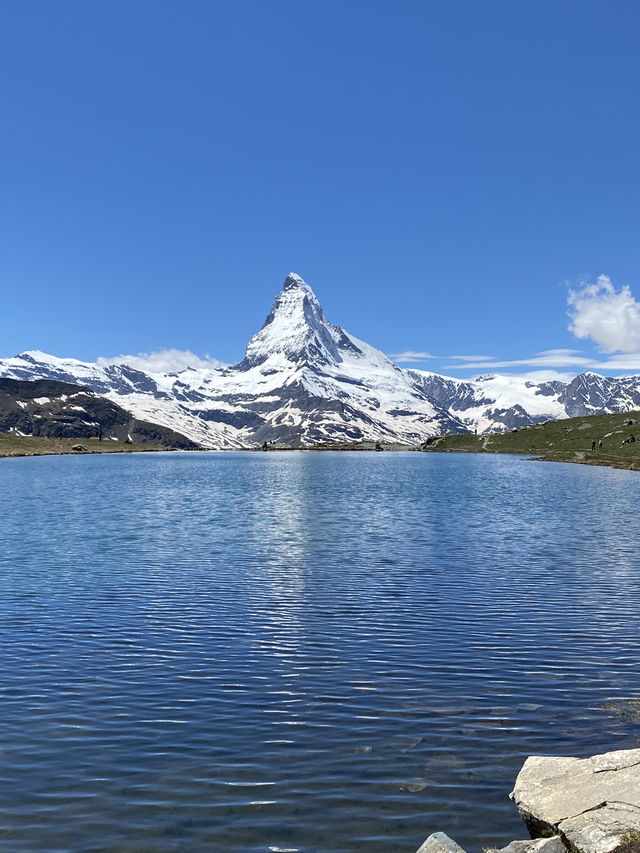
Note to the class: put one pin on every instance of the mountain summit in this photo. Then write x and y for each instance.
(304, 381)
(295, 330)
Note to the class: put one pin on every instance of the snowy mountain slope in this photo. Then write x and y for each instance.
(158, 398)
(304, 380)
(495, 402)
(46, 407)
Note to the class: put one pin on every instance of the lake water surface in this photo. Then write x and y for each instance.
(315, 652)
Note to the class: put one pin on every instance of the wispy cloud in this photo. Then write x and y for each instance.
(547, 359)
(608, 317)
(469, 357)
(163, 361)
(554, 359)
(410, 356)
(627, 361)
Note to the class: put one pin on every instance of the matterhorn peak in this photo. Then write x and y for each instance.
(293, 280)
(304, 381)
(295, 287)
(295, 328)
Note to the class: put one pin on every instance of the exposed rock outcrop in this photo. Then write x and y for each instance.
(51, 409)
(592, 803)
(535, 845)
(580, 805)
(439, 842)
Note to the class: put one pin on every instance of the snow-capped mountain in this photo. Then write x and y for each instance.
(304, 380)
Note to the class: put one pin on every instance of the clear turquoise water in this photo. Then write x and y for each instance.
(310, 652)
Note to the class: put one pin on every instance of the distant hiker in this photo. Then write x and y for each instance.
(600, 445)
(593, 445)
(100, 436)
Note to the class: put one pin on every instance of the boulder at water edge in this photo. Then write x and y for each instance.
(439, 842)
(592, 803)
(538, 845)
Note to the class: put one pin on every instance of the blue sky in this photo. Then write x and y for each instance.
(446, 176)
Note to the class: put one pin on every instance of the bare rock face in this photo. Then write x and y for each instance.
(439, 842)
(593, 804)
(537, 845)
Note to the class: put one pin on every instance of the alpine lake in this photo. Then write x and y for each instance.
(314, 652)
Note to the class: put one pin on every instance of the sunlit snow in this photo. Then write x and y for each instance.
(304, 380)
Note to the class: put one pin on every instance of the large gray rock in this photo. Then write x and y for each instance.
(439, 842)
(592, 803)
(537, 845)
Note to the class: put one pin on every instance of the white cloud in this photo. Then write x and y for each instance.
(551, 358)
(410, 355)
(470, 357)
(628, 361)
(610, 318)
(163, 361)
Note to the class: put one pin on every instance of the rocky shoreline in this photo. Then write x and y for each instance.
(580, 805)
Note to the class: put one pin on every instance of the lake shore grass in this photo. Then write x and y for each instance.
(28, 445)
(569, 440)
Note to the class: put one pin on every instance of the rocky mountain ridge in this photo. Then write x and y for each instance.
(304, 381)
(51, 409)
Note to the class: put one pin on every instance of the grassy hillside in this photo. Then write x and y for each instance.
(16, 445)
(567, 440)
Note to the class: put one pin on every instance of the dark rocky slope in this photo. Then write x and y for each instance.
(45, 407)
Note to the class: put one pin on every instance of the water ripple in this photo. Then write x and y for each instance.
(320, 653)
